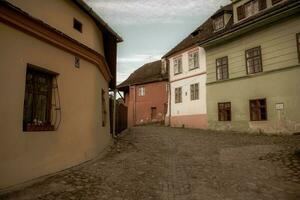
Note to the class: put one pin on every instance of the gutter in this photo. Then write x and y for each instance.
(240, 29)
(96, 17)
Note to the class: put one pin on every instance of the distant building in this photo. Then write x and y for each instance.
(145, 93)
(253, 67)
(57, 63)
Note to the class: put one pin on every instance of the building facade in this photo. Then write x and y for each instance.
(253, 67)
(57, 66)
(187, 98)
(145, 93)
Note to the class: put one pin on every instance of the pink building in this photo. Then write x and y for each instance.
(146, 94)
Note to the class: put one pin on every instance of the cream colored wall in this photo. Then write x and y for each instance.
(276, 84)
(27, 155)
(278, 45)
(59, 14)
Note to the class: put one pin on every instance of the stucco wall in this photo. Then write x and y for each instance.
(188, 113)
(279, 51)
(60, 15)
(27, 155)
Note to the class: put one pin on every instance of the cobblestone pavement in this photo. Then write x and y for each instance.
(161, 163)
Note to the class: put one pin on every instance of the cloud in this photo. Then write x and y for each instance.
(128, 12)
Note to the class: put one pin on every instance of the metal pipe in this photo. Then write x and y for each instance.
(114, 113)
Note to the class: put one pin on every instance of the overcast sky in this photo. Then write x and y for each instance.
(150, 28)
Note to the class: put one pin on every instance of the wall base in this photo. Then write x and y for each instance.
(190, 121)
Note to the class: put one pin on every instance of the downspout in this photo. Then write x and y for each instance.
(114, 113)
(170, 100)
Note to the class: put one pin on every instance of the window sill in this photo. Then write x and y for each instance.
(177, 73)
(194, 68)
(38, 128)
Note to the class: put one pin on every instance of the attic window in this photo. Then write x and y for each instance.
(251, 8)
(77, 25)
(219, 23)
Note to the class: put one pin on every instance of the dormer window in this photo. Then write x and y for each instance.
(251, 8)
(219, 23)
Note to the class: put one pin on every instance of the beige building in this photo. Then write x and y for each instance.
(253, 67)
(57, 63)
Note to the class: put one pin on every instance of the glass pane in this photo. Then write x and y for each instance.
(41, 109)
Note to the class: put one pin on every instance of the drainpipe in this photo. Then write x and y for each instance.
(170, 99)
(114, 113)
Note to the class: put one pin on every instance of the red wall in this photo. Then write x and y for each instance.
(139, 107)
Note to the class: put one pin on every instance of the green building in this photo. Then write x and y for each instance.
(253, 66)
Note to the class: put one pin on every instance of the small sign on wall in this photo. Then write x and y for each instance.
(77, 62)
(279, 106)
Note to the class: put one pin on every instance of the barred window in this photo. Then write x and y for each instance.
(222, 68)
(104, 112)
(38, 100)
(194, 60)
(258, 110)
(177, 65)
(194, 91)
(254, 60)
(178, 95)
(224, 111)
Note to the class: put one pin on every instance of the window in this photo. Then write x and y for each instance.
(141, 91)
(275, 1)
(251, 8)
(258, 110)
(195, 91)
(254, 60)
(222, 68)
(77, 25)
(177, 65)
(224, 110)
(193, 60)
(178, 95)
(38, 100)
(104, 112)
(219, 23)
(298, 45)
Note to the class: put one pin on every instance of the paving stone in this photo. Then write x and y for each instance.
(162, 163)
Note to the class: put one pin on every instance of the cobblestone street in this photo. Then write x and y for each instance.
(156, 163)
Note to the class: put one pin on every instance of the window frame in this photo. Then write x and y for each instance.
(298, 45)
(215, 20)
(260, 58)
(175, 60)
(222, 67)
(193, 91)
(178, 95)
(50, 76)
(221, 111)
(142, 91)
(259, 117)
(197, 65)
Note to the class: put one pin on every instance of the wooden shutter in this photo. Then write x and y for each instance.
(262, 4)
(241, 12)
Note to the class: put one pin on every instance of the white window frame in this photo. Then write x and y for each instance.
(177, 65)
(194, 91)
(193, 60)
(142, 91)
